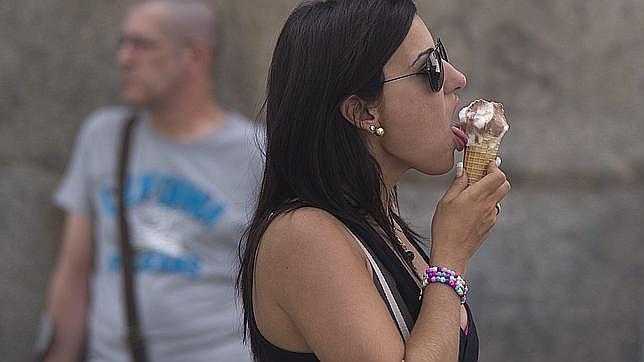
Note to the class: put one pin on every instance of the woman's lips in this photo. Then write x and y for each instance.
(461, 138)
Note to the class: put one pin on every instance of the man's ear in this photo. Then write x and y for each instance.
(199, 52)
(357, 112)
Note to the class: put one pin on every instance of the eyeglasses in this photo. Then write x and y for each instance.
(433, 68)
(136, 43)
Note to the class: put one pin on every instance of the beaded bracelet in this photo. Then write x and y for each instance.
(443, 275)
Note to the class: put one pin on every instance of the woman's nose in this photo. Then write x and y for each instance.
(454, 80)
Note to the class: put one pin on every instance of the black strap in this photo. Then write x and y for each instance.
(134, 335)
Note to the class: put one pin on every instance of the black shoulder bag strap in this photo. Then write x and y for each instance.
(134, 335)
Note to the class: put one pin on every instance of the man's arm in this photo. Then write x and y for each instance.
(69, 289)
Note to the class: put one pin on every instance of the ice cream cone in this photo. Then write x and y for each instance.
(478, 156)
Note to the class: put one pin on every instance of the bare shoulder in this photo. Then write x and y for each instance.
(306, 237)
(314, 291)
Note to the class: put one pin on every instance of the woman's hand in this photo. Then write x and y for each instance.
(464, 217)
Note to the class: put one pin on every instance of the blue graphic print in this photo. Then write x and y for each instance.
(155, 262)
(172, 193)
(169, 191)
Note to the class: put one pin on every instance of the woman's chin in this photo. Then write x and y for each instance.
(436, 170)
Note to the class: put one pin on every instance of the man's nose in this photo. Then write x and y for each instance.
(124, 55)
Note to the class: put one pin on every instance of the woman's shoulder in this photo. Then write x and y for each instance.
(309, 236)
(312, 281)
(308, 227)
(306, 220)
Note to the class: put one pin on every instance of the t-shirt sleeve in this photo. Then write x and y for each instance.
(256, 154)
(245, 164)
(73, 193)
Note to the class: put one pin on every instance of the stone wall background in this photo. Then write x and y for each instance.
(560, 277)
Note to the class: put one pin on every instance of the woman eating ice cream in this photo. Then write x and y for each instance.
(359, 92)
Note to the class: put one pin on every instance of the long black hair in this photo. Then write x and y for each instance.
(326, 52)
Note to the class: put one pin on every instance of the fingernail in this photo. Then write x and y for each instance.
(459, 169)
(498, 162)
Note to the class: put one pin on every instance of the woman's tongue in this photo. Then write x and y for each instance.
(461, 138)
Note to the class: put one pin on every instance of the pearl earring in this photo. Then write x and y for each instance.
(378, 131)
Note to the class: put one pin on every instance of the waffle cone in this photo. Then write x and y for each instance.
(477, 157)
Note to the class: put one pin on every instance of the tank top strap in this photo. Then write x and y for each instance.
(390, 295)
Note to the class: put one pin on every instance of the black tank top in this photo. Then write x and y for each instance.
(409, 307)
(468, 347)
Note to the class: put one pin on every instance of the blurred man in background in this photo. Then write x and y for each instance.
(191, 175)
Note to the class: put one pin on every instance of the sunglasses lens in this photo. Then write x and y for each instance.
(435, 72)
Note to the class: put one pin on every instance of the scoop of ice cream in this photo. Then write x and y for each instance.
(482, 118)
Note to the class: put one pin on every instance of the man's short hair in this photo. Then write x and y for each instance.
(186, 20)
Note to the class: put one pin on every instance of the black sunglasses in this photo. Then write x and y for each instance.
(433, 68)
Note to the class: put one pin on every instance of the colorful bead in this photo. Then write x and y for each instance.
(443, 275)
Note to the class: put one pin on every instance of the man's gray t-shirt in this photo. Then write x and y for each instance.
(187, 205)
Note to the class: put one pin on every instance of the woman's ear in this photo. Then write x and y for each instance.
(357, 112)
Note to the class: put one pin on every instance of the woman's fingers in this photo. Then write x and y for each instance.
(501, 191)
(459, 184)
(488, 185)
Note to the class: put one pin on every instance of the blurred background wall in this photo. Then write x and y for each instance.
(560, 277)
